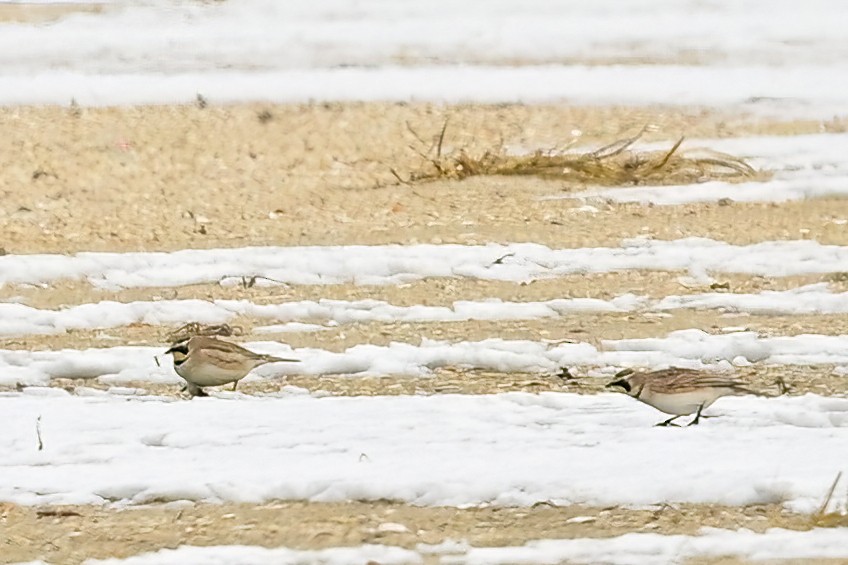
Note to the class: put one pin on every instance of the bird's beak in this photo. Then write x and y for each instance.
(621, 382)
(272, 359)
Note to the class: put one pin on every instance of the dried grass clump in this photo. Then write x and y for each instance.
(193, 329)
(616, 164)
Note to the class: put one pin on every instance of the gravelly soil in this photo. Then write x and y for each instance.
(164, 178)
(69, 534)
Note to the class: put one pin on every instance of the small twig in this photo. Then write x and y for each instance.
(500, 260)
(419, 195)
(617, 147)
(441, 139)
(559, 341)
(668, 155)
(38, 432)
(56, 513)
(730, 163)
(414, 133)
(830, 492)
(397, 176)
(248, 281)
(420, 153)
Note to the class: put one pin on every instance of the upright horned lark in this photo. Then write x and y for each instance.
(206, 361)
(678, 391)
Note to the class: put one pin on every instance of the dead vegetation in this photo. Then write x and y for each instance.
(834, 519)
(616, 164)
(193, 329)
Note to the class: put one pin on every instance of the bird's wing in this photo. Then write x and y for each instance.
(684, 380)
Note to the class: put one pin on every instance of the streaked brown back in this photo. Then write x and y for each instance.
(225, 350)
(677, 380)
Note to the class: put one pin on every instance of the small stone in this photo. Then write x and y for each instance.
(392, 527)
(581, 520)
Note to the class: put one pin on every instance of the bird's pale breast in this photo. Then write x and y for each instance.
(683, 403)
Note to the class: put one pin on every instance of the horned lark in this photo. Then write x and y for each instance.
(678, 391)
(206, 361)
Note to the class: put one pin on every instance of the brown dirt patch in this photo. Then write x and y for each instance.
(172, 177)
(86, 531)
(40, 13)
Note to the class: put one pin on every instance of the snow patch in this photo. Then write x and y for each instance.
(396, 264)
(437, 450)
(691, 348)
(19, 319)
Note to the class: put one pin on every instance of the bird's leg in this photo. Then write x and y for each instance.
(194, 390)
(668, 422)
(697, 417)
(235, 384)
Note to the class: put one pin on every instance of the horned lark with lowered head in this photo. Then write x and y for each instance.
(206, 361)
(678, 391)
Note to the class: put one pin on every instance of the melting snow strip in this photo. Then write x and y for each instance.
(19, 319)
(648, 548)
(685, 348)
(333, 33)
(806, 91)
(449, 450)
(305, 53)
(395, 264)
(628, 549)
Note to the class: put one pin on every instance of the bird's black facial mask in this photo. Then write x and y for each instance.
(622, 383)
(178, 348)
(179, 351)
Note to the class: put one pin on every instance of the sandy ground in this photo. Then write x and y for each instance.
(164, 178)
(121, 179)
(41, 13)
(70, 534)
